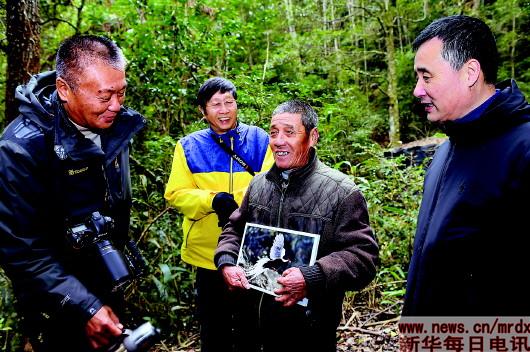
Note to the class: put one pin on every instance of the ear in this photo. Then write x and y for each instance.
(201, 110)
(62, 89)
(472, 72)
(313, 137)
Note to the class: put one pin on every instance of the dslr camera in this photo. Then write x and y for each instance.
(95, 233)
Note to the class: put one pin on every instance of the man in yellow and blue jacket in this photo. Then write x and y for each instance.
(206, 184)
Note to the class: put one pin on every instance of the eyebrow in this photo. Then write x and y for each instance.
(422, 70)
(284, 125)
(110, 90)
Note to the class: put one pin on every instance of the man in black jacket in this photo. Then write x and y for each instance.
(63, 160)
(472, 239)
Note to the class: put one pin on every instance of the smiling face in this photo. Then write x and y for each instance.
(444, 92)
(221, 112)
(98, 97)
(289, 141)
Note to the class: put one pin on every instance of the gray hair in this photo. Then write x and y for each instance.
(309, 116)
(80, 51)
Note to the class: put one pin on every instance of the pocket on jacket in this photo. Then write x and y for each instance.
(260, 214)
(307, 223)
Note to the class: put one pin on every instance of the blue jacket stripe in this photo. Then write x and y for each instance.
(203, 154)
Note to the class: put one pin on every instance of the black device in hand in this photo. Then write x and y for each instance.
(139, 340)
(224, 205)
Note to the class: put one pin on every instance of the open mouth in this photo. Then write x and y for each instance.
(108, 118)
(428, 106)
(282, 153)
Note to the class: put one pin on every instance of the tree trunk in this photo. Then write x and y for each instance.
(23, 48)
(289, 13)
(514, 41)
(355, 38)
(475, 10)
(333, 26)
(392, 91)
(324, 24)
(393, 104)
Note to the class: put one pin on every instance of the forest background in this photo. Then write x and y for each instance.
(350, 59)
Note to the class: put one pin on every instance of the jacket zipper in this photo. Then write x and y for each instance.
(231, 180)
(284, 186)
(107, 187)
(282, 198)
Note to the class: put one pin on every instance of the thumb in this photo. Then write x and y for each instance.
(287, 272)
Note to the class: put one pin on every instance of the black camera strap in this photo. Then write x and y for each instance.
(234, 155)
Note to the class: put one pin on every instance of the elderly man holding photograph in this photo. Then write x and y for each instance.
(300, 193)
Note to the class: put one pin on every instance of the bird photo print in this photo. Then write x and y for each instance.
(266, 252)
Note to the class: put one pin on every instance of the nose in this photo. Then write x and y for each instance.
(115, 103)
(224, 108)
(419, 91)
(279, 140)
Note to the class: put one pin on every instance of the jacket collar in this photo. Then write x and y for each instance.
(237, 132)
(508, 109)
(70, 143)
(296, 176)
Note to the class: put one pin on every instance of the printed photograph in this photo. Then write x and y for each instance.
(266, 252)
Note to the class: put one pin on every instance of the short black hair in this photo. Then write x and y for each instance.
(308, 115)
(212, 86)
(80, 51)
(464, 38)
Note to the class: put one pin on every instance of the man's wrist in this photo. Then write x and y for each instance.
(225, 260)
(314, 278)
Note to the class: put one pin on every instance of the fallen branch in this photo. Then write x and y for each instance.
(365, 323)
(382, 322)
(353, 315)
(361, 330)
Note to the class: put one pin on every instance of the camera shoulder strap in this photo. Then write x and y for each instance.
(234, 155)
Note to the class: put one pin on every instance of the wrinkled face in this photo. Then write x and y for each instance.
(221, 112)
(289, 141)
(444, 93)
(98, 97)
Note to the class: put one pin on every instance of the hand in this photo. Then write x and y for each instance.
(293, 287)
(102, 327)
(234, 277)
(224, 205)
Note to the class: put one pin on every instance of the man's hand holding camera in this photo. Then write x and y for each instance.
(102, 327)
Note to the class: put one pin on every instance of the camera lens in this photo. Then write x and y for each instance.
(114, 263)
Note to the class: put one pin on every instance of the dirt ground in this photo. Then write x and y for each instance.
(364, 330)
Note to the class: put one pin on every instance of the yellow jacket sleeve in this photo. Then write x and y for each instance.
(183, 193)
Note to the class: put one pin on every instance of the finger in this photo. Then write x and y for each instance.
(282, 298)
(115, 320)
(97, 341)
(243, 280)
(239, 283)
(287, 272)
(290, 302)
(112, 328)
(281, 291)
(282, 281)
